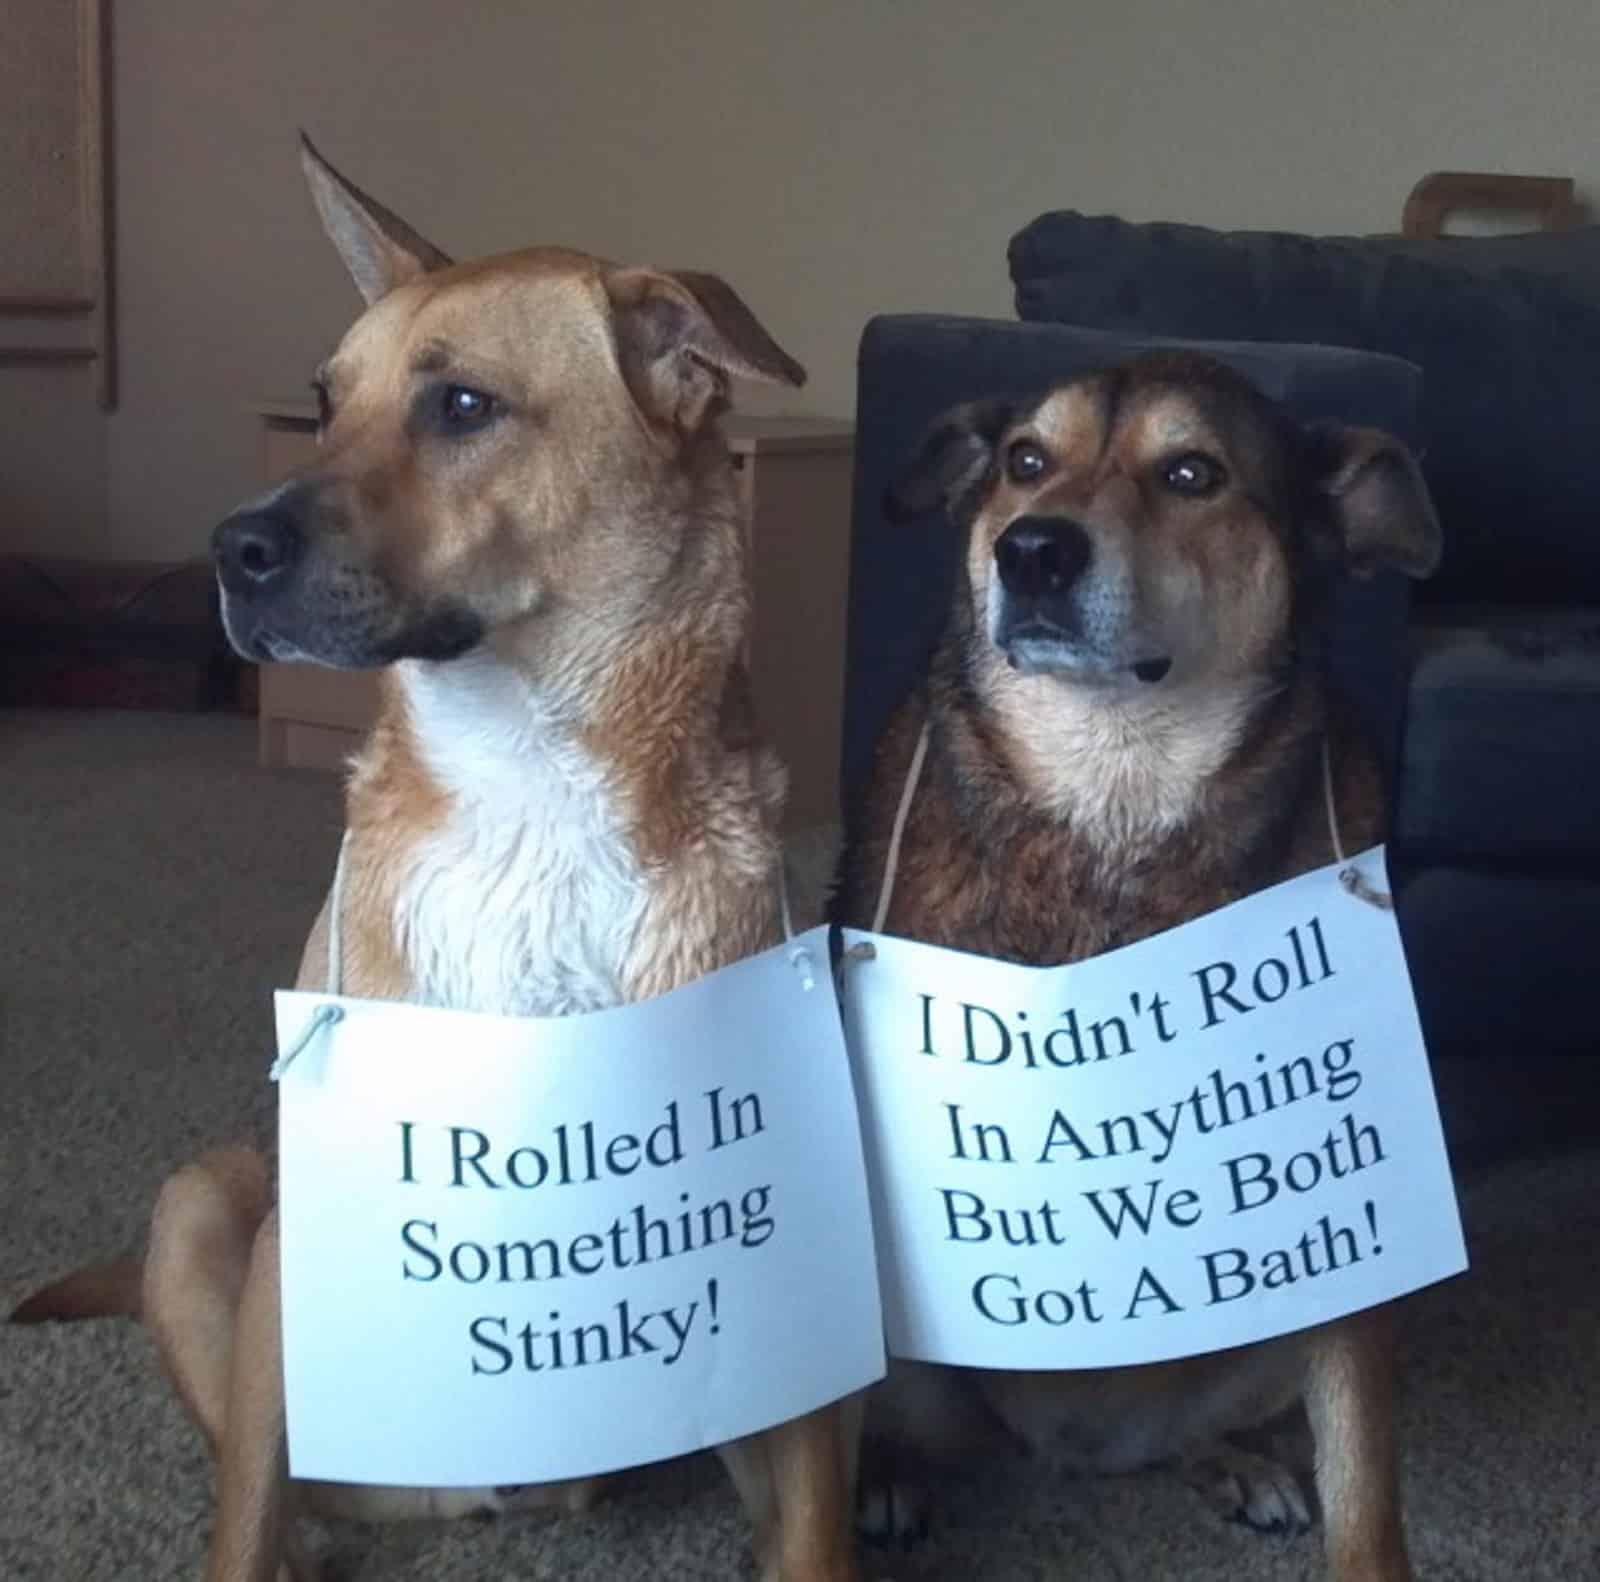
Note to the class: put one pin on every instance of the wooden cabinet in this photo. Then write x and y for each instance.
(796, 477)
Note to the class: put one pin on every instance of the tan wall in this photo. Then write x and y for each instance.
(52, 434)
(833, 159)
(52, 462)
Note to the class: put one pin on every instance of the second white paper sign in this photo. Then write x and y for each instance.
(1216, 1135)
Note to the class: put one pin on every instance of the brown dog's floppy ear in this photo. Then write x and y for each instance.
(954, 456)
(378, 248)
(1380, 501)
(681, 336)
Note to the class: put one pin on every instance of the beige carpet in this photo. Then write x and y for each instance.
(154, 887)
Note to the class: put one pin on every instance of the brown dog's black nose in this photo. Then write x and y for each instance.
(254, 551)
(1041, 555)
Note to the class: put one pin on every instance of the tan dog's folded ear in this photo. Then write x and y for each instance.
(681, 336)
(378, 248)
(954, 457)
(1380, 501)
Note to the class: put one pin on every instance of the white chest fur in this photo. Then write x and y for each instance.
(527, 900)
(1124, 769)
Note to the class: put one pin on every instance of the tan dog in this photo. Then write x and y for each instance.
(1127, 721)
(524, 506)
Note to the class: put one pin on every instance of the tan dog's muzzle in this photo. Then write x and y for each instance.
(290, 592)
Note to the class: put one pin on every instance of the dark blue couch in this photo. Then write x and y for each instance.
(1485, 356)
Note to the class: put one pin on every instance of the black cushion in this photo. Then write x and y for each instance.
(1505, 329)
(1502, 745)
(1503, 965)
(914, 366)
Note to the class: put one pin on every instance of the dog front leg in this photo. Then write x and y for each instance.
(248, 1543)
(205, 1224)
(1350, 1400)
(797, 1483)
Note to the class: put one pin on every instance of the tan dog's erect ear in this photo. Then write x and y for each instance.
(681, 336)
(378, 248)
(1381, 502)
(954, 457)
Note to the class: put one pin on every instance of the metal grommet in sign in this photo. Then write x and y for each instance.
(800, 958)
(323, 1016)
(1356, 883)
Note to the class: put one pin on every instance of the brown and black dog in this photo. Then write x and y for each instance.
(1126, 723)
(523, 506)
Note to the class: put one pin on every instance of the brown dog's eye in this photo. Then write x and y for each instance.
(466, 408)
(1024, 461)
(1194, 474)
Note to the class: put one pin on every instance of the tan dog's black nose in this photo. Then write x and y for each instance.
(1040, 555)
(255, 551)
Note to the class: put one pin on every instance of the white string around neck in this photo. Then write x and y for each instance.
(327, 1015)
(799, 956)
(891, 865)
(324, 1015)
(1351, 877)
(335, 981)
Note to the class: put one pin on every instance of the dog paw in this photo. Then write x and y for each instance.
(892, 1514)
(1250, 1489)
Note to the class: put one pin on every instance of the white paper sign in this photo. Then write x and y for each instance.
(516, 1250)
(1216, 1135)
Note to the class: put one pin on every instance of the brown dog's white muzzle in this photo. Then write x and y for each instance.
(1057, 612)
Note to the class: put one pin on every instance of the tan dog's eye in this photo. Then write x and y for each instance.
(324, 405)
(1195, 474)
(1024, 461)
(466, 408)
